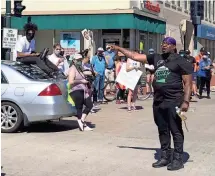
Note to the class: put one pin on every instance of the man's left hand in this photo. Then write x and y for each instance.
(184, 106)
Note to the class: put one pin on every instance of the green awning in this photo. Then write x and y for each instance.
(92, 21)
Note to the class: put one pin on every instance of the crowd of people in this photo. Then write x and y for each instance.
(175, 77)
(107, 65)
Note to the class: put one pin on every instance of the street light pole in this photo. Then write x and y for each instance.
(8, 24)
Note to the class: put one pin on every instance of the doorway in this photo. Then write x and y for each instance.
(111, 39)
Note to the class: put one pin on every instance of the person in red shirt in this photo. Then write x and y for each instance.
(121, 88)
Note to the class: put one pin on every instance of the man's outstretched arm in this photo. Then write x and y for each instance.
(131, 54)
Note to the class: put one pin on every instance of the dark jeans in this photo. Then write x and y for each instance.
(205, 81)
(79, 100)
(198, 82)
(99, 86)
(45, 65)
(168, 121)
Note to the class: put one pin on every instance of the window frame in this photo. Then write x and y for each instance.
(3, 75)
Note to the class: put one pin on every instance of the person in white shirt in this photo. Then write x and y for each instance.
(57, 58)
(132, 94)
(25, 51)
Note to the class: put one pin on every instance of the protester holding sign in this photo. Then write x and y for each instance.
(132, 94)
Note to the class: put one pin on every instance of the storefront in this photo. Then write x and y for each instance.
(126, 29)
(206, 35)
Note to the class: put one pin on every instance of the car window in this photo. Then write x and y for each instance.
(3, 79)
(31, 71)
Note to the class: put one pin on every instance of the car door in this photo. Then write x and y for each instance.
(4, 83)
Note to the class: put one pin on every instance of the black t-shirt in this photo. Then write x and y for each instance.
(192, 60)
(169, 68)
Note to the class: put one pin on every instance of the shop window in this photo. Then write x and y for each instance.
(111, 31)
(209, 9)
(126, 38)
(151, 43)
(143, 42)
(206, 9)
(185, 5)
(178, 3)
(113, 41)
(213, 10)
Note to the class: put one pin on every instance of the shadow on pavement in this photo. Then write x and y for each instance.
(51, 126)
(157, 154)
(137, 107)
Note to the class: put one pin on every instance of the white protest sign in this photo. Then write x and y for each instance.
(9, 38)
(128, 79)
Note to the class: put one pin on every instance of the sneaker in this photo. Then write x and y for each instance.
(118, 102)
(208, 97)
(96, 107)
(92, 111)
(81, 125)
(86, 128)
(133, 108)
(129, 109)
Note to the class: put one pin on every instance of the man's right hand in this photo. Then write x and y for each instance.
(114, 47)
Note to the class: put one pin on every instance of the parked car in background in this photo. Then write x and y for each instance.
(29, 95)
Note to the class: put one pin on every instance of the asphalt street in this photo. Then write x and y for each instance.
(122, 144)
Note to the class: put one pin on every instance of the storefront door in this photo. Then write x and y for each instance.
(111, 39)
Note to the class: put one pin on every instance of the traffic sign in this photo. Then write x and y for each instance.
(9, 38)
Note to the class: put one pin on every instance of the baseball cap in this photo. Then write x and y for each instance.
(100, 49)
(77, 56)
(187, 51)
(169, 40)
(151, 50)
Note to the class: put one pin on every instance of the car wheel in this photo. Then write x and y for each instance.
(11, 117)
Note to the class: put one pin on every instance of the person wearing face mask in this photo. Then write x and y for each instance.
(204, 73)
(80, 92)
(98, 63)
(172, 88)
(57, 58)
(198, 59)
(25, 51)
(109, 55)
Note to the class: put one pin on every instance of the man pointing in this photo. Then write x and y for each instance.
(172, 88)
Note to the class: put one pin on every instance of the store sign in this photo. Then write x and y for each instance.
(151, 6)
(9, 38)
(206, 32)
(70, 42)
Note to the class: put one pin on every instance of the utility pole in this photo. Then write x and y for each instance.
(197, 14)
(8, 24)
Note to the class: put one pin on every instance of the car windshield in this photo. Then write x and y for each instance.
(30, 71)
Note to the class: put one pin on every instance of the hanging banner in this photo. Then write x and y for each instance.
(70, 42)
